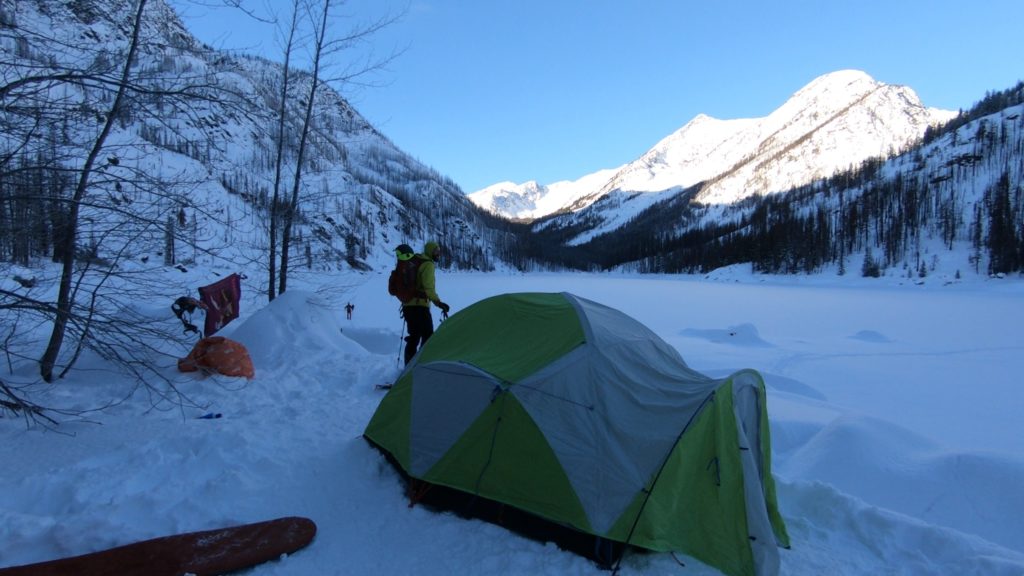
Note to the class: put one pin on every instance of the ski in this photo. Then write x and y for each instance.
(204, 553)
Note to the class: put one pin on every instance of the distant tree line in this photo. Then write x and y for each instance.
(992, 102)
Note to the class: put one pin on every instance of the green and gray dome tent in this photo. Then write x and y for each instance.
(578, 414)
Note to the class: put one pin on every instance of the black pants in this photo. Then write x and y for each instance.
(420, 325)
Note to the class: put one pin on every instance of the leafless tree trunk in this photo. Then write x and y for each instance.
(281, 143)
(323, 48)
(292, 208)
(64, 299)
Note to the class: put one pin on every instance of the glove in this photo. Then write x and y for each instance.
(444, 307)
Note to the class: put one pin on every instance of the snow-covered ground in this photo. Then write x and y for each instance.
(895, 416)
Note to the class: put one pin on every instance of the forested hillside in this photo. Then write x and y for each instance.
(956, 199)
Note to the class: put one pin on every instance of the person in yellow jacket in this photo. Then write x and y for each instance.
(416, 311)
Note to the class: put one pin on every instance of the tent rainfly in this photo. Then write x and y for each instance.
(581, 416)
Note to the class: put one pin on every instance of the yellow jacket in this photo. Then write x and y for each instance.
(425, 283)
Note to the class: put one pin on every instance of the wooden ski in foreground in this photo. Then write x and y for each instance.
(203, 553)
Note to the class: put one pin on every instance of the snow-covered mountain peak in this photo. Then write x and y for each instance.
(835, 121)
(531, 200)
(839, 83)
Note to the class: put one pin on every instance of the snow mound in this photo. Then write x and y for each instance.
(891, 467)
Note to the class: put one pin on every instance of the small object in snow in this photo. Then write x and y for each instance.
(382, 386)
(210, 416)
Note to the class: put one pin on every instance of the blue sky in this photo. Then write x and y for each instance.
(549, 90)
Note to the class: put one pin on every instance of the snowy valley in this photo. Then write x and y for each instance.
(858, 249)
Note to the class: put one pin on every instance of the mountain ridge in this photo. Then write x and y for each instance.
(720, 152)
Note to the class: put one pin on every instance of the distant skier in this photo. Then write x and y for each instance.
(348, 310)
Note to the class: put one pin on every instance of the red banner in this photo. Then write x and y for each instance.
(221, 299)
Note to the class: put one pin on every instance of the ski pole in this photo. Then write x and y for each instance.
(401, 338)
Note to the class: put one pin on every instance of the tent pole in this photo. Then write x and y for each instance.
(648, 492)
(401, 339)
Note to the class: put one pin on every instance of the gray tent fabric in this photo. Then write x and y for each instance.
(606, 446)
(746, 406)
(445, 384)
